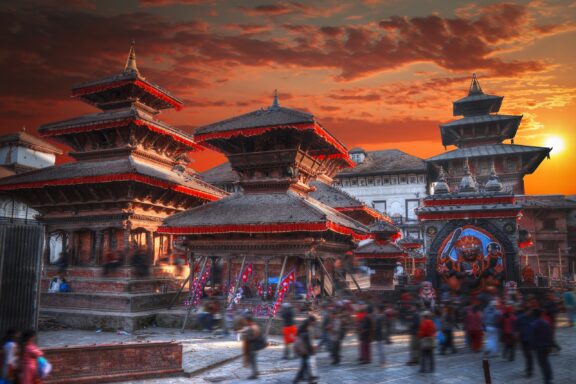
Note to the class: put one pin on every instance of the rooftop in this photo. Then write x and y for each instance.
(386, 162)
(489, 150)
(24, 139)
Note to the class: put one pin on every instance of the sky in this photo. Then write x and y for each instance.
(377, 73)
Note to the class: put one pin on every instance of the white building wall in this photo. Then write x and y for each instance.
(16, 210)
(34, 159)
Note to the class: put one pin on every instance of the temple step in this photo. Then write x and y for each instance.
(118, 285)
(168, 271)
(107, 301)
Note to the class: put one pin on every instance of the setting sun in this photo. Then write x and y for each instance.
(555, 142)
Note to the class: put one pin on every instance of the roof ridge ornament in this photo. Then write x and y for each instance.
(441, 187)
(493, 184)
(475, 88)
(130, 66)
(275, 104)
(467, 184)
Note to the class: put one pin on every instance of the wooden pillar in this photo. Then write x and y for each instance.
(150, 247)
(126, 256)
(97, 257)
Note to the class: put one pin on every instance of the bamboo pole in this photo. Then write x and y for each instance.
(230, 299)
(201, 272)
(269, 321)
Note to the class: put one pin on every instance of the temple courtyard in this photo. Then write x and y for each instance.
(218, 360)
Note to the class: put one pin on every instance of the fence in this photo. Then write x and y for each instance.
(21, 248)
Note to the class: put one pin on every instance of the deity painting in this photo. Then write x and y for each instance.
(471, 254)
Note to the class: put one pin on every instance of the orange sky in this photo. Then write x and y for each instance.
(377, 73)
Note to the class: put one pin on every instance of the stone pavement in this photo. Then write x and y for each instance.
(463, 368)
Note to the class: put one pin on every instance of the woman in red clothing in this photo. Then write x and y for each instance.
(508, 334)
(29, 357)
(427, 336)
(473, 325)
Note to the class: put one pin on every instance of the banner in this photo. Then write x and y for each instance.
(283, 289)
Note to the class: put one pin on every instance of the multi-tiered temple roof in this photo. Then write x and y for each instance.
(479, 137)
(130, 168)
(276, 152)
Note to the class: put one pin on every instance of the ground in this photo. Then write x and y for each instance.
(208, 360)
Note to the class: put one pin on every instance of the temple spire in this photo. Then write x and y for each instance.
(493, 184)
(475, 88)
(275, 104)
(467, 184)
(131, 61)
(441, 186)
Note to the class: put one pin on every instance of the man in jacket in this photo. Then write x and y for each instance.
(306, 336)
(380, 333)
(413, 320)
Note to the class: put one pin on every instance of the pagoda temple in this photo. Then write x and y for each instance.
(471, 234)
(479, 137)
(272, 221)
(130, 173)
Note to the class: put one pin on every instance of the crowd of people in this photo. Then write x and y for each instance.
(492, 325)
(23, 361)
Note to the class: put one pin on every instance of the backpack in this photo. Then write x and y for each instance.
(300, 347)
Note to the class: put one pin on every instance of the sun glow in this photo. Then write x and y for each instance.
(556, 143)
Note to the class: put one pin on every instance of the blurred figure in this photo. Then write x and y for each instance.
(111, 262)
(63, 262)
(380, 333)
(307, 350)
(251, 334)
(427, 336)
(413, 320)
(492, 317)
(524, 330)
(390, 322)
(542, 342)
(365, 335)
(448, 323)
(11, 353)
(508, 334)
(570, 305)
(140, 262)
(324, 338)
(289, 329)
(29, 354)
(473, 325)
(336, 333)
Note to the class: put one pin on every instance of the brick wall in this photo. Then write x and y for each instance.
(118, 362)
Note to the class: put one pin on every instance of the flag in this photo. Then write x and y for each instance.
(283, 289)
(246, 273)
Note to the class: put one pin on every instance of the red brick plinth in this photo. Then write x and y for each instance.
(114, 362)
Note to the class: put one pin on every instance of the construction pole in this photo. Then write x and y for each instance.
(271, 316)
(229, 299)
(200, 273)
(185, 282)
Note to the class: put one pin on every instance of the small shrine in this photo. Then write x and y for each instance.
(472, 234)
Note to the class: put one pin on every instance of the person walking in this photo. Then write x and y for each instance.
(473, 326)
(542, 342)
(10, 363)
(289, 329)
(306, 350)
(570, 305)
(252, 335)
(336, 333)
(492, 317)
(366, 332)
(390, 322)
(380, 326)
(29, 354)
(427, 336)
(448, 323)
(508, 334)
(413, 320)
(524, 330)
